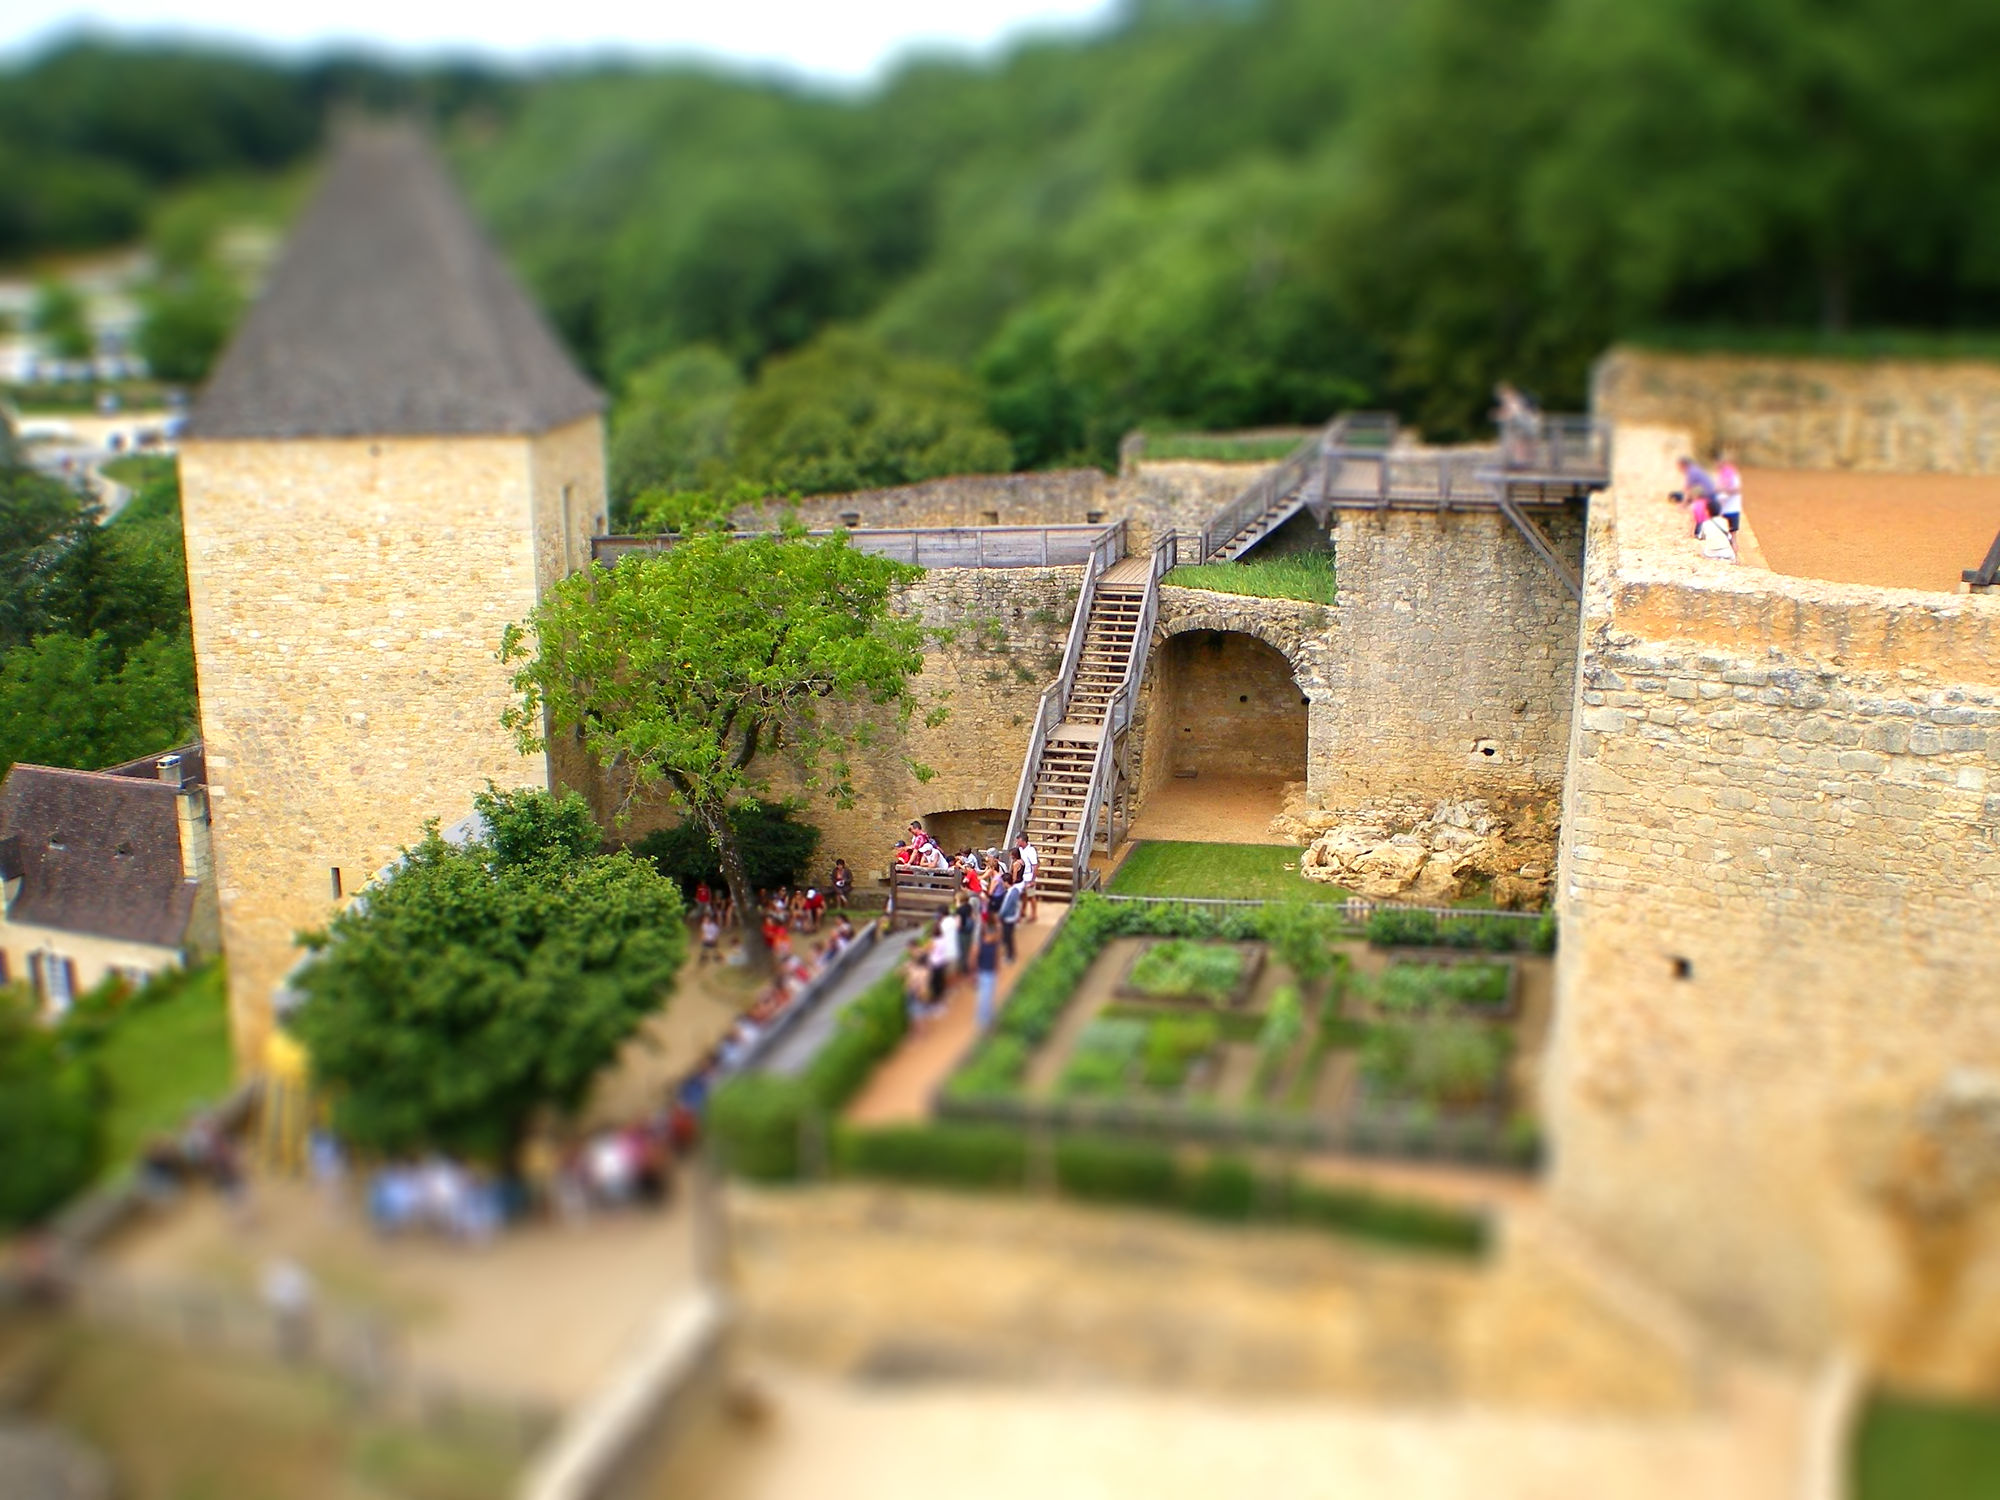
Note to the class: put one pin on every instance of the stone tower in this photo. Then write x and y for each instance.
(393, 460)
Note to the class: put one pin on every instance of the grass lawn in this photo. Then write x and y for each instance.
(167, 1052)
(1917, 1450)
(137, 469)
(1248, 872)
(1303, 575)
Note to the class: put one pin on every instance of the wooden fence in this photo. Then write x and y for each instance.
(930, 546)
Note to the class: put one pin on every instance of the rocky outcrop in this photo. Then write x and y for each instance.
(1428, 851)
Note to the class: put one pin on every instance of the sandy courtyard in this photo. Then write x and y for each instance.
(1914, 531)
(1212, 809)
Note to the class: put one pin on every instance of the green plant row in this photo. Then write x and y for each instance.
(1219, 447)
(1153, 1175)
(1404, 927)
(755, 1119)
(1299, 931)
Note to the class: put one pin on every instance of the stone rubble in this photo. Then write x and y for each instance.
(1427, 851)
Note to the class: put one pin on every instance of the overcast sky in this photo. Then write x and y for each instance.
(830, 39)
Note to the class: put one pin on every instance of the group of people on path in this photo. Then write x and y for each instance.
(1714, 503)
(975, 934)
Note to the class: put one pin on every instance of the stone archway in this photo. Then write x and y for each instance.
(1226, 734)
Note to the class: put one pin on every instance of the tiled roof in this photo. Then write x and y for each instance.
(389, 314)
(97, 852)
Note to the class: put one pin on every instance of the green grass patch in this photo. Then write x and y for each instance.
(166, 1053)
(1181, 970)
(1301, 575)
(1923, 1450)
(139, 469)
(1249, 872)
(1220, 447)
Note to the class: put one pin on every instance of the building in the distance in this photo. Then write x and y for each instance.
(392, 462)
(104, 873)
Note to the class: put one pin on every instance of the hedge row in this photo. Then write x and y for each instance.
(755, 1119)
(1401, 927)
(1154, 1175)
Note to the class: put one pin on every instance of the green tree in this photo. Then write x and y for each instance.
(66, 700)
(40, 521)
(188, 319)
(847, 414)
(51, 1117)
(682, 668)
(670, 431)
(475, 986)
(58, 316)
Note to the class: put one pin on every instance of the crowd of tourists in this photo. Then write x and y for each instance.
(1714, 504)
(993, 893)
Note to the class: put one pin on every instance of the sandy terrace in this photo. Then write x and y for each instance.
(1917, 531)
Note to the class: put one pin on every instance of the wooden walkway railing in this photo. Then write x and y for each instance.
(933, 546)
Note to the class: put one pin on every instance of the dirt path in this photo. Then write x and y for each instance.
(543, 1313)
(1210, 809)
(1917, 531)
(901, 1089)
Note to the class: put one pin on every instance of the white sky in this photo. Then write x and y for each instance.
(829, 39)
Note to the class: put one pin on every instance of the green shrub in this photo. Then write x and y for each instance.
(1337, 1030)
(1301, 933)
(755, 1118)
(1115, 1171)
(777, 847)
(979, 1156)
(1452, 1061)
(1172, 1045)
(1224, 1187)
(1102, 1059)
(1284, 1023)
(1542, 938)
(1395, 1221)
(996, 1067)
(51, 1114)
(1504, 935)
(1460, 932)
(754, 1122)
(1413, 988)
(1180, 969)
(1400, 927)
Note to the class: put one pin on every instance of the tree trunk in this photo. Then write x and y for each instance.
(749, 916)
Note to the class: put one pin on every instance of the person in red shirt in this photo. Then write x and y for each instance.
(815, 908)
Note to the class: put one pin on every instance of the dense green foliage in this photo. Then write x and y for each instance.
(1411, 927)
(1413, 989)
(681, 668)
(778, 848)
(1152, 1175)
(1184, 970)
(165, 1053)
(479, 984)
(1206, 214)
(96, 664)
(1441, 1060)
(756, 1119)
(51, 1121)
(1912, 1449)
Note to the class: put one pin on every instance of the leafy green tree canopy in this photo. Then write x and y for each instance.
(671, 429)
(847, 414)
(477, 985)
(682, 668)
(58, 316)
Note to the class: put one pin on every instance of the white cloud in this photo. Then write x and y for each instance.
(832, 39)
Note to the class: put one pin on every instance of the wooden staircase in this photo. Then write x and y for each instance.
(1266, 521)
(1061, 808)
(1071, 777)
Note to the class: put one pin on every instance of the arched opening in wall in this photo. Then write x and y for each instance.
(968, 827)
(1228, 734)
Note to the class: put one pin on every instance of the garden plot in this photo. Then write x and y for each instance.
(1269, 1025)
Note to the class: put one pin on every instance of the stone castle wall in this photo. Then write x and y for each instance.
(1063, 497)
(1007, 630)
(348, 596)
(1775, 1077)
(1455, 640)
(1885, 416)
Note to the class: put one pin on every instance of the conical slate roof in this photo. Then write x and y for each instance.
(389, 314)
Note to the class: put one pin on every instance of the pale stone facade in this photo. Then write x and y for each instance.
(1775, 1082)
(1886, 416)
(348, 598)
